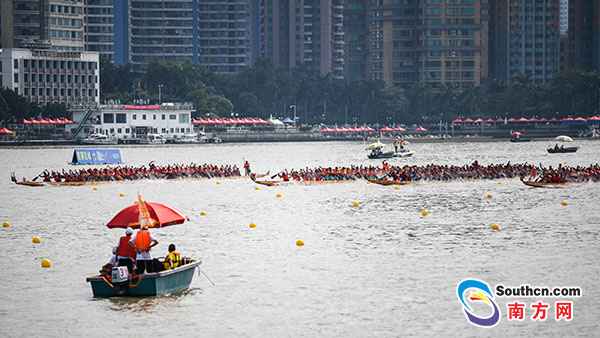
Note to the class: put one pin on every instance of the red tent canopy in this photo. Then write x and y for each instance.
(420, 129)
(26, 121)
(468, 120)
(457, 120)
(523, 120)
(144, 107)
(400, 129)
(479, 120)
(490, 120)
(386, 129)
(160, 213)
(5, 131)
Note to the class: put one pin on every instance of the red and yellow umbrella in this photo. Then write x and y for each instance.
(151, 214)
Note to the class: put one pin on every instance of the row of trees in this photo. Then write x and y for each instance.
(14, 107)
(264, 89)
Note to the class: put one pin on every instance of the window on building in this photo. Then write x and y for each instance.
(119, 130)
(16, 78)
(172, 117)
(121, 118)
(26, 91)
(41, 91)
(164, 116)
(143, 116)
(55, 91)
(16, 64)
(154, 116)
(171, 129)
(126, 130)
(134, 116)
(108, 118)
(184, 118)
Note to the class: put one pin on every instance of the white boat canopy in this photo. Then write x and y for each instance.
(564, 138)
(375, 145)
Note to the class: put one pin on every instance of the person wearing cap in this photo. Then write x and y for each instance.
(142, 242)
(125, 252)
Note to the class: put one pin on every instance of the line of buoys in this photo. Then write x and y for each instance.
(46, 263)
(355, 203)
(6, 224)
(279, 195)
(424, 212)
(252, 225)
(36, 240)
(495, 227)
(564, 203)
(299, 242)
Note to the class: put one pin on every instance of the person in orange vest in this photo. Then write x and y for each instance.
(143, 241)
(125, 252)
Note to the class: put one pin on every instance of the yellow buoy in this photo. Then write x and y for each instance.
(564, 203)
(203, 213)
(6, 224)
(217, 183)
(251, 225)
(495, 226)
(94, 188)
(36, 240)
(397, 187)
(299, 242)
(424, 212)
(488, 195)
(279, 195)
(121, 194)
(355, 204)
(256, 188)
(46, 263)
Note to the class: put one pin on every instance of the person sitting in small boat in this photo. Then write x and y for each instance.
(173, 258)
(143, 241)
(113, 259)
(125, 252)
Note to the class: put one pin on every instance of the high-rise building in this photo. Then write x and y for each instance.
(223, 42)
(430, 42)
(100, 27)
(525, 39)
(356, 35)
(583, 35)
(55, 24)
(303, 32)
(215, 34)
(564, 16)
(161, 30)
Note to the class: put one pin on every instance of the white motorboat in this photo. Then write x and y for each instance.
(187, 139)
(99, 139)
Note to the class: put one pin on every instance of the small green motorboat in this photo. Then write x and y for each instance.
(149, 284)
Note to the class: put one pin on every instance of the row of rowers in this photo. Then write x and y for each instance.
(442, 172)
(134, 250)
(151, 171)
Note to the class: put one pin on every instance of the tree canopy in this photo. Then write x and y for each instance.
(263, 89)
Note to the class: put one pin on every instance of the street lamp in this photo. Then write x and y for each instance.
(160, 93)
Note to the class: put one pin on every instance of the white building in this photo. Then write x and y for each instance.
(47, 76)
(136, 121)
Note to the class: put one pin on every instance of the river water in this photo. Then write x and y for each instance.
(377, 270)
